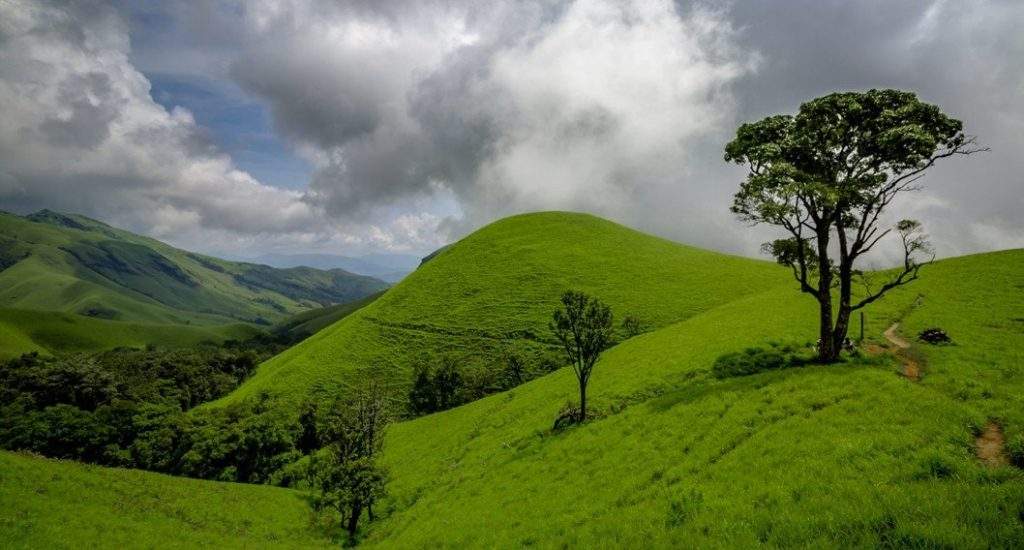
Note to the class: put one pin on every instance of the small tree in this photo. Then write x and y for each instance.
(830, 172)
(422, 398)
(447, 384)
(632, 326)
(584, 327)
(349, 478)
(515, 370)
(436, 389)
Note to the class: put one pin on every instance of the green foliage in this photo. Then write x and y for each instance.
(1015, 449)
(436, 389)
(755, 360)
(125, 408)
(830, 172)
(347, 475)
(583, 325)
(632, 326)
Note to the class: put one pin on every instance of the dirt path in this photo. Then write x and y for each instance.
(911, 368)
(896, 339)
(990, 446)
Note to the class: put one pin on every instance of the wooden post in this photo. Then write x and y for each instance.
(862, 326)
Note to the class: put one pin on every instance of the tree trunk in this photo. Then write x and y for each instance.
(369, 512)
(353, 521)
(842, 326)
(826, 344)
(583, 399)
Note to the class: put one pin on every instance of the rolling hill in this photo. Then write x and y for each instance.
(852, 455)
(61, 504)
(76, 271)
(848, 455)
(496, 289)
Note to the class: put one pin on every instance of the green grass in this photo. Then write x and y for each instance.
(498, 287)
(56, 504)
(849, 455)
(822, 456)
(307, 323)
(52, 333)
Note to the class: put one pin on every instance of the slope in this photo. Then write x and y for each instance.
(52, 332)
(851, 455)
(496, 289)
(305, 324)
(60, 262)
(56, 504)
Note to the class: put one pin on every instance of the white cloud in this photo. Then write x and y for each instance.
(81, 132)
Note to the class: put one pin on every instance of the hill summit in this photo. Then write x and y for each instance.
(495, 290)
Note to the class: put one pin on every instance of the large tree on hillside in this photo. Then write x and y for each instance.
(584, 327)
(829, 173)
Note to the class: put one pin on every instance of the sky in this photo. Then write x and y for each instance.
(242, 128)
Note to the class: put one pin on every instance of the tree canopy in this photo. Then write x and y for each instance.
(831, 170)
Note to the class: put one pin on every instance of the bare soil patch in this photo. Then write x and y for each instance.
(990, 446)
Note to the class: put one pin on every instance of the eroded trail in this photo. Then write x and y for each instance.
(911, 368)
(894, 338)
(990, 446)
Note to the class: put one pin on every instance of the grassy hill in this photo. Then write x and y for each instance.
(52, 332)
(56, 504)
(497, 288)
(62, 264)
(850, 455)
(305, 324)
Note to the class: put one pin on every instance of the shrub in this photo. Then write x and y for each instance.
(934, 336)
(755, 360)
(568, 416)
(1015, 448)
(631, 326)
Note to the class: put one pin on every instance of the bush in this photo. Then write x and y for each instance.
(755, 360)
(1015, 448)
(934, 336)
(631, 326)
(568, 416)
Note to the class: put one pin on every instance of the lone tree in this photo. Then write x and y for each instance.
(831, 171)
(348, 476)
(584, 327)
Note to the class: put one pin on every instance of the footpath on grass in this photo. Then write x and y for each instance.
(990, 444)
(911, 367)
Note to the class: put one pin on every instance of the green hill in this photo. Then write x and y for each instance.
(58, 504)
(52, 332)
(62, 264)
(305, 324)
(848, 455)
(497, 287)
(853, 455)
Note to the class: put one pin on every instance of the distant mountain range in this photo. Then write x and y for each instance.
(386, 267)
(55, 263)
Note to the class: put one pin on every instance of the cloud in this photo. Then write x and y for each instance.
(425, 120)
(510, 107)
(81, 132)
